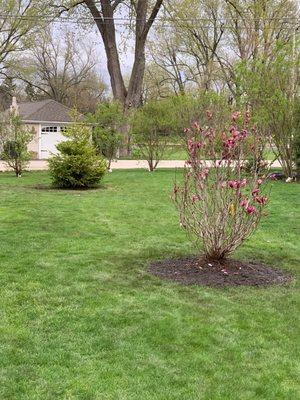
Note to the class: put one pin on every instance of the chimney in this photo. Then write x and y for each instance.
(14, 108)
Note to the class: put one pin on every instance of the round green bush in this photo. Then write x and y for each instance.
(77, 165)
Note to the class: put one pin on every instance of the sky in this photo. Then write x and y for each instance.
(91, 37)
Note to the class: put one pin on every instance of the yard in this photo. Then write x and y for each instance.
(81, 318)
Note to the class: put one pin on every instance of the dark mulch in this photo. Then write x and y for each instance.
(195, 271)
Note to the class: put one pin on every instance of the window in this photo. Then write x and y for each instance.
(49, 129)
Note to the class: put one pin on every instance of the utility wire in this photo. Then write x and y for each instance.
(128, 20)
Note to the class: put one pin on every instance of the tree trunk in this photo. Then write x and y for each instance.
(104, 20)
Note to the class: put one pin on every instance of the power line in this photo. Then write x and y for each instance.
(129, 20)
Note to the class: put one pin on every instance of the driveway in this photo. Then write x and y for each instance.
(40, 165)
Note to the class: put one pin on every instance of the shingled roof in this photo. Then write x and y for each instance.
(44, 111)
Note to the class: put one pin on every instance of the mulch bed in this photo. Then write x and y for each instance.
(196, 271)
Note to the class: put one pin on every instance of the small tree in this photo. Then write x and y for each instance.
(217, 202)
(107, 122)
(150, 129)
(271, 90)
(15, 138)
(77, 165)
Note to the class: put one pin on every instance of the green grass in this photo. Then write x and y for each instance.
(179, 153)
(171, 153)
(81, 318)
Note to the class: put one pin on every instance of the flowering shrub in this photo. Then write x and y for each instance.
(218, 203)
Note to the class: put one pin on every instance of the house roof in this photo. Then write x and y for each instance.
(44, 111)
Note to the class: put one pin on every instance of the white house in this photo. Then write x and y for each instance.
(48, 118)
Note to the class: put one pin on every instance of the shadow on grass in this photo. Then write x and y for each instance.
(49, 187)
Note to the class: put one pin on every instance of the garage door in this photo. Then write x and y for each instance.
(50, 137)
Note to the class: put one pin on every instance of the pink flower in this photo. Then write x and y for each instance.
(250, 210)
(186, 130)
(261, 200)
(230, 143)
(235, 115)
(235, 134)
(244, 203)
(259, 182)
(190, 144)
(232, 184)
(255, 191)
(243, 182)
(196, 125)
(237, 184)
(243, 133)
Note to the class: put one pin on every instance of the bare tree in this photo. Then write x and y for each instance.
(58, 68)
(18, 21)
(166, 53)
(104, 13)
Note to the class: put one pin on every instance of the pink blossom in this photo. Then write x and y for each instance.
(196, 125)
(243, 182)
(259, 181)
(255, 191)
(232, 184)
(244, 203)
(230, 143)
(250, 210)
(191, 145)
(186, 130)
(235, 115)
(261, 200)
(237, 184)
(243, 133)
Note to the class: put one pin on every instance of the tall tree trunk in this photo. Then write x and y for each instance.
(104, 20)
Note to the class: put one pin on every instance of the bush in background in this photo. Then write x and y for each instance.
(107, 122)
(150, 127)
(15, 138)
(77, 165)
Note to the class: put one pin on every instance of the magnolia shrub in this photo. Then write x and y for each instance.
(218, 202)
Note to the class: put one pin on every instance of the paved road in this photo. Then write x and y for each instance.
(39, 165)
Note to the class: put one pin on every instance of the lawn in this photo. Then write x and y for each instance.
(179, 153)
(81, 318)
